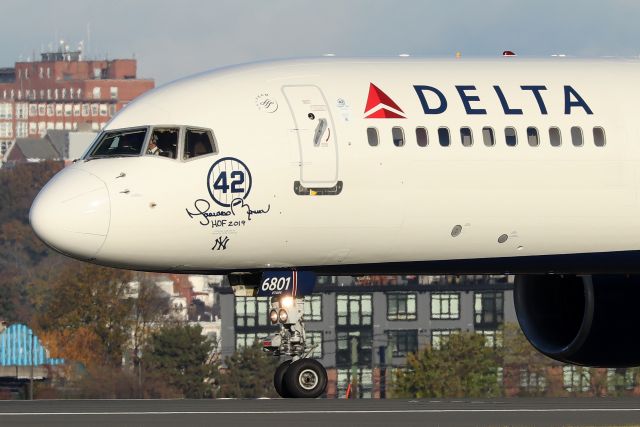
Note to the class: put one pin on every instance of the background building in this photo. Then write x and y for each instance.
(63, 91)
(377, 320)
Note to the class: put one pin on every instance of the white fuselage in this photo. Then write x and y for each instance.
(399, 207)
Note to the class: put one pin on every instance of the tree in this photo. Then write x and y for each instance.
(463, 366)
(150, 309)
(180, 355)
(88, 296)
(520, 358)
(248, 374)
(20, 250)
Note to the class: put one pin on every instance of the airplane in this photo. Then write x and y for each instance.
(274, 172)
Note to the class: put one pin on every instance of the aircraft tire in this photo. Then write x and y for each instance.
(278, 379)
(305, 378)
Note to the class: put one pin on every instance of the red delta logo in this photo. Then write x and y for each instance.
(380, 106)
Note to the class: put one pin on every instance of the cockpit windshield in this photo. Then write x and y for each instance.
(117, 143)
(171, 142)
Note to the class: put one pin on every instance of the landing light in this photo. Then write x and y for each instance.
(287, 302)
(273, 316)
(282, 315)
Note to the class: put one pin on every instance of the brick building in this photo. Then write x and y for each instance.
(62, 91)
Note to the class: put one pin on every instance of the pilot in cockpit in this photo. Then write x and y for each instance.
(163, 144)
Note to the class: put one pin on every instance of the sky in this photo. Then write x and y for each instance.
(173, 39)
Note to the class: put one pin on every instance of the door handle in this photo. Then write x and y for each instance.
(320, 130)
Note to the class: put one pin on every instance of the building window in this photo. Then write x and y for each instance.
(94, 109)
(113, 92)
(445, 305)
(350, 343)
(103, 109)
(6, 130)
(439, 335)
(511, 136)
(397, 133)
(33, 110)
(576, 379)
(42, 109)
(85, 110)
(403, 342)
(620, 379)
(466, 136)
(532, 136)
(576, 136)
(96, 93)
(444, 137)
(22, 129)
(598, 137)
(364, 380)
(554, 137)
(58, 110)
(401, 306)
(422, 137)
(6, 110)
(488, 309)
(76, 110)
(48, 72)
(48, 93)
(314, 341)
(244, 340)
(252, 311)
(532, 382)
(492, 337)
(372, 136)
(313, 308)
(354, 310)
(22, 111)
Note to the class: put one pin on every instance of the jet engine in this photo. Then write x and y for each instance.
(583, 320)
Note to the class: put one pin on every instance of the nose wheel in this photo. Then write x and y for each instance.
(304, 378)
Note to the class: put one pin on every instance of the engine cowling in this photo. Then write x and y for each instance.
(584, 320)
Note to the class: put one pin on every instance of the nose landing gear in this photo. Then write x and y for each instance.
(300, 377)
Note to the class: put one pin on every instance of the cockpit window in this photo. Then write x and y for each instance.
(163, 142)
(124, 142)
(198, 142)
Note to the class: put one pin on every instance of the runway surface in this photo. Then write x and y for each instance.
(280, 412)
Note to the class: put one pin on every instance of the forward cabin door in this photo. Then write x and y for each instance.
(316, 136)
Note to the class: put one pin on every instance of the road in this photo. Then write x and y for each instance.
(280, 412)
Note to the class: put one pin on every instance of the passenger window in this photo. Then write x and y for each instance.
(532, 136)
(511, 136)
(466, 137)
(398, 136)
(422, 137)
(198, 142)
(163, 142)
(554, 137)
(598, 137)
(444, 137)
(488, 136)
(576, 136)
(372, 136)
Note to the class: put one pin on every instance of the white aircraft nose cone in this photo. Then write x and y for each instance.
(72, 213)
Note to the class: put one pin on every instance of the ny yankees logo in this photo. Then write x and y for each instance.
(221, 244)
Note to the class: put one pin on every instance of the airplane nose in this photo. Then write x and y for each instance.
(72, 213)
